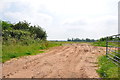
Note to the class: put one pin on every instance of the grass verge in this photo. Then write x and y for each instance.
(107, 69)
(18, 50)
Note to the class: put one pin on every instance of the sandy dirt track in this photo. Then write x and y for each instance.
(69, 61)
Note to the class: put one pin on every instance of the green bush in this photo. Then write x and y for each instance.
(22, 30)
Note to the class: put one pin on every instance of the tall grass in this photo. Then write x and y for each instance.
(18, 50)
(107, 69)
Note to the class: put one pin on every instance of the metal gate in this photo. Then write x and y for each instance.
(113, 48)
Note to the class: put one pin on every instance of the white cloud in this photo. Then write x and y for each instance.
(43, 20)
(92, 27)
(75, 21)
(65, 18)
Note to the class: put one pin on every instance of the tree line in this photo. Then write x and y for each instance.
(81, 40)
(109, 38)
(22, 31)
(93, 40)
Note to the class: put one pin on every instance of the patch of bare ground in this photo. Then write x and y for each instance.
(69, 61)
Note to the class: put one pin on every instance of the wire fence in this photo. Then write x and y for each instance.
(113, 48)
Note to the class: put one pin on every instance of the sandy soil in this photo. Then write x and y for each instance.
(69, 61)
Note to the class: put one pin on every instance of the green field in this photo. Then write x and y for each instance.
(103, 43)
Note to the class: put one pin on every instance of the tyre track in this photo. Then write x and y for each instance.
(69, 61)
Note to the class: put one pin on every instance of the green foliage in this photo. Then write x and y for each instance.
(109, 38)
(6, 25)
(39, 32)
(21, 31)
(21, 26)
(107, 69)
(16, 34)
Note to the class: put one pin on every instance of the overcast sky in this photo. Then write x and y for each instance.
(64, 19)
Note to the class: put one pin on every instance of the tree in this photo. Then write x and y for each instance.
(21, 25)
(6, 25)
(22, 29)
(68, 39)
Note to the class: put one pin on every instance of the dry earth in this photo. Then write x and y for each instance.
(69, 61)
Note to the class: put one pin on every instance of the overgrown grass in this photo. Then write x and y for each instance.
(107, 69)
(18, 50)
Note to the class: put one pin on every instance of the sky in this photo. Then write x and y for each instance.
(63, 19)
